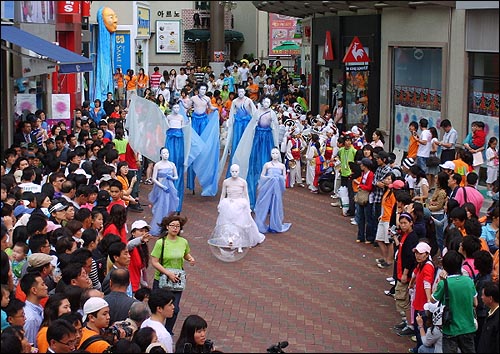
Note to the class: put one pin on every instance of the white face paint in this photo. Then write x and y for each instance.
(275, 154)
(241, 93)
(176, 108)
(266, 103)
(235, 171)
(165, 154)
(203, 90)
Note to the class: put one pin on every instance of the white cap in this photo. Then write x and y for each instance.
(140, 224)
(422, 247)
(449, 165)
(92, 305)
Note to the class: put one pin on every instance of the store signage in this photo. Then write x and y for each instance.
(328, 49)
(143, 20)
(68, 7)
(356, 54)
(122, 51)
(86, 8)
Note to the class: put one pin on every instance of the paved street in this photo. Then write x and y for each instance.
(312, 286)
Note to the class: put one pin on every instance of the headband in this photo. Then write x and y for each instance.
(406, 215)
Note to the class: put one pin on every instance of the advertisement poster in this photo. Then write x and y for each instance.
(25, 101)
(403, 117)
(35, 11)
(168, 37)
(60, 109)
(143, 30)
(122, 51)
(283, 35)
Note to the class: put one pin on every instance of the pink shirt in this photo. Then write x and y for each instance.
(473, 196)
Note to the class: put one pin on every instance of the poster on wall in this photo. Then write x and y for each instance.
(284, 39)
(168, 37)
(25, 101)
(403, 117)
(60, 109)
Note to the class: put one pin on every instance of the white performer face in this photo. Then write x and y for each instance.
(203, 90)
(275, 154)
(235, 171)
(266, 103)
(165, 154)
(241, 93)
(176, 108)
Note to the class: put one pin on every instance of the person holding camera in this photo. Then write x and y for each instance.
(96, 320)
(193, 336)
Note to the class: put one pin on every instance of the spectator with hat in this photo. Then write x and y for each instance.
(96, 318)
(139, 254)
(58, 212)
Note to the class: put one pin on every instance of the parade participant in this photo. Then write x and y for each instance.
(234, 207)
(163, 196)
(205, 166)
(294, 146)
(262, 137)
(175, 142)
(270, 196)
(240, 114)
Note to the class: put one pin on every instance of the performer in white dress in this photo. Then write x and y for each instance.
(234, 208)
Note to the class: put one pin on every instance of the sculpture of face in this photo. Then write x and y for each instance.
(110, 19)
(176, 108)
(235, 170)
(203, 90)
(275, 154)
(165, 154)
(266, 103)
(241, 93)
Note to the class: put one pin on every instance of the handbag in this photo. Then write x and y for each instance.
(361, 198)
(165, 282)
(433, 161)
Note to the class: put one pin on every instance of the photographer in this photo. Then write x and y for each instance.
(193, 336)
(97, 336)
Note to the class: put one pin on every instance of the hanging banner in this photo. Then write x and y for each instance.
(86, 8)
(143, 20)
(328, 49)
(25, 101)
(122, 51)
(282, 35)
(60, 109)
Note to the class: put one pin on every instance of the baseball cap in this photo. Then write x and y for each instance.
(94, 131)
(22, 209)
(57, 207)
(408, 162)
(366, 161)
(422, 247)
(92, 305)
(448, 165)
(36, 260)
(140, 224)
(397, 184)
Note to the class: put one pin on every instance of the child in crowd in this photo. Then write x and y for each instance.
(19, 258)
(474, 143)
(492, 164)
(116, 193)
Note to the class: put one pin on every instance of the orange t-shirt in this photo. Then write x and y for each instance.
(462, 169)
(96, 347)
(41, 340)
(413, 147)
(119, 80)
(253, 92)
(387, 206)
(484, 244)
(131, 82)
(142, 82)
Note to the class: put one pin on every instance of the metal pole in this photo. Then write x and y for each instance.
(216, 29)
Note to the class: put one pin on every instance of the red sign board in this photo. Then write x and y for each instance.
(68, 7)
(86, 8)
(356, 53)
(328, 49)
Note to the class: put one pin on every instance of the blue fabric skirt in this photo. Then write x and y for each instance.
(175, 145)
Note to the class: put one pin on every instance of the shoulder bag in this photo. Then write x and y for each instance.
(165, 282)
(361, 198)
(433, 161)
(447, 314)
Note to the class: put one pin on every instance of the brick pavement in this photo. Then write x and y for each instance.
(312, 286)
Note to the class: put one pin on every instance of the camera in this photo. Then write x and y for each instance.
(114, 330)
(208, 346)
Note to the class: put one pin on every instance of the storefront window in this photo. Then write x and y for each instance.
(417, 90)
(484, 91)
(324, 89)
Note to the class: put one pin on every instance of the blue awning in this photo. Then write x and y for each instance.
(68, 61)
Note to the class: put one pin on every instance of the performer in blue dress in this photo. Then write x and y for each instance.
(175, 142)
(270, 196)
(163, 196)
(242, 110)
(261, 135)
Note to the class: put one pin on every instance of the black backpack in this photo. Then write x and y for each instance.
(95, 338)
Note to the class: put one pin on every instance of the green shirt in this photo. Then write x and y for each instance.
(346, 156)
(173, 253)
(461, 292)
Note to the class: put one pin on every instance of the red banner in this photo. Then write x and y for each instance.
(68, 7)
(328, 49)
(86, 8)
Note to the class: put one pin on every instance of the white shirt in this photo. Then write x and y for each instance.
(243, 73)
(161, 332)
(180, 81)
(425, 150)
(30, 187)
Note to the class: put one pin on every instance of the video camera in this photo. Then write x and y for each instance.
(114, 330)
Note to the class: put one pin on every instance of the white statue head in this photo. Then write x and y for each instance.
(176, 108)
(241, 92)
(275, 154)
(235, 170)
(266, 103)
(203, 90)
(164, 153)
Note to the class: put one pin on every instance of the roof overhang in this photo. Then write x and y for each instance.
(304, 9)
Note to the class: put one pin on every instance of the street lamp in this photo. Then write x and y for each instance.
(228, 5)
